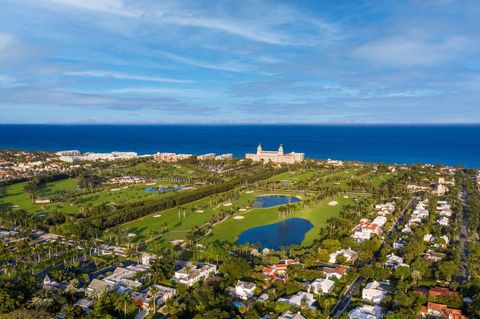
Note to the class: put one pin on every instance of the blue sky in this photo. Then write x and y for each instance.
(121, 61)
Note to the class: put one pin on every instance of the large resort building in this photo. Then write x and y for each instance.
(277, 157)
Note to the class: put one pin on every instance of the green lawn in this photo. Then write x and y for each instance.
(179, 224)
(294, 176)
(14, 195)
(317, 214)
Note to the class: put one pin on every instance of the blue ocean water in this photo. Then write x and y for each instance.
(447, 144)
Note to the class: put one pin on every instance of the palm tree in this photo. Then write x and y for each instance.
(121, 303)
(152, 292)
(416, 275)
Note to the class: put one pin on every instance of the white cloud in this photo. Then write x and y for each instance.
(408, 51)
(224, 66)
(103, 6)
(266, 26)
(124, 76)
(188, 93)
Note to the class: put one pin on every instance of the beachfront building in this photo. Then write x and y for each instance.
(277, 157)
(170, 157)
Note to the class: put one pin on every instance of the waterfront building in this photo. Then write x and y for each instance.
(69, 153)
(171, 157)
(204, 157)
(277, 157)
(223, 157)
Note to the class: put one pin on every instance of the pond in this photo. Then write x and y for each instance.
(287, 232)
(164, 189)
(274, 200)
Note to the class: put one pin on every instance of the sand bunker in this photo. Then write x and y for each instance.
(150, 184)
(132, 234)
(199, 211)
(238, 217)
(248, 192)
(115, 189)
(227, 204)
(156, 216)
(345, 196)
(242, 209)
(333, 203)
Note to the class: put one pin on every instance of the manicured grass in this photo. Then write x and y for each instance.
(14, 195)
(317, 214)
(179, 224)
(294, 176)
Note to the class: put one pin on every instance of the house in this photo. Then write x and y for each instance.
(321, 286)
(441, 292)
(85, 304)
(366, 312)
(144, 299)
(52, 284)
(434, 256)
(349, 255)
(189, 274)
(278, 271)
(336, 272)
(428, 238)
(395, 262)
(299, 298)
(361, 236)
(123, 278)
(244, 290)
(399, 244)
(441, 311)
(373, 292)
(406, 229)
(380, 221)
(291, 315)
(444, 221)
(96, 286)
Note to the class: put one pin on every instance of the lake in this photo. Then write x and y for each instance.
(287, 232)
(274, 200)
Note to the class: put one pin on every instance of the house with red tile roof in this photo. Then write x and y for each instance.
(441, 311)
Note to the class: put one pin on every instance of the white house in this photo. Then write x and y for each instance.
(299, 298)
(190, 274)
(244, 290)
(373, 292)
(394, 261)
(380, 221)
(349, 254)
(428, 238)
(366, 312)
(162, 294)
(291, 315)
(361, 236)
(443, 221)
(321, 286)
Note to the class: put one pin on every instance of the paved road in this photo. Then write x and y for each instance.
(463, 271)
(343, 303)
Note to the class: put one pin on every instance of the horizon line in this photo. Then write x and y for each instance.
(252, 124)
